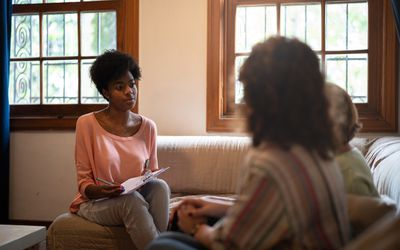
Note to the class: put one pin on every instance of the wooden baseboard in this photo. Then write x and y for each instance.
(30, 223)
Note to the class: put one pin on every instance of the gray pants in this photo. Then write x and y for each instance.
(144, 213)
(175, 241)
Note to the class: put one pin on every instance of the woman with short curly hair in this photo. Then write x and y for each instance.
(113, 145)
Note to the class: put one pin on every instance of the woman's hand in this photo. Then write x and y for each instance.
(186, 222)
(196, 226)
(103, 191)
(111, 191)
(364, 211)
(199, 209)
(206, 207)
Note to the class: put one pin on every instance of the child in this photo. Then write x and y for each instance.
(356, 173)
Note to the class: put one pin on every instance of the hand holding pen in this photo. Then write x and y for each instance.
(111, 189)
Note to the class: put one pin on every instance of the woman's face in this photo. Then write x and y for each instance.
(122, 93)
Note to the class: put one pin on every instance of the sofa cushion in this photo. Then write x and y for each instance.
(69, 231)
(383, 157)
(202, 164)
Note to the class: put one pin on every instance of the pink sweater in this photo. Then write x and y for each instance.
(99, 153)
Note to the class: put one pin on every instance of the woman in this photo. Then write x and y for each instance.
(113, 145)
(293, 196)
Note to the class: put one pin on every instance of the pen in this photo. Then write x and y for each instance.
(146, 165)
(106, 182)
(147, 172)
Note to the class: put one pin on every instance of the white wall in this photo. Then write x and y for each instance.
(172, 49)
(173, 43)
(42, 174)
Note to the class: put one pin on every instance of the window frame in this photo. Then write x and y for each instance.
(380, 114)
(64, 116)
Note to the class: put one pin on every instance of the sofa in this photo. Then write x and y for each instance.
(211, 165)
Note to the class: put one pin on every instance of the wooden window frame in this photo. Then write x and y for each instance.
(64, 116)
(380, 114)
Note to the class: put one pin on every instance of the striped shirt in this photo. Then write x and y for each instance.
(290, 199)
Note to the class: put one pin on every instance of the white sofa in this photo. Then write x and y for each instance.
(211, 165)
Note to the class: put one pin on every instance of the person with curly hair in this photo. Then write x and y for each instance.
(113, 145)
(293, 196)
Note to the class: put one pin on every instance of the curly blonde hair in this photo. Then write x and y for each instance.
(343, 112)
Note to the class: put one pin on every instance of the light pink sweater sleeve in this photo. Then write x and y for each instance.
(99, 153)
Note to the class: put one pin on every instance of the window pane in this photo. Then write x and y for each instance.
(238, 85)
(26, 1)
(24, 36)
(98, 32)
(89, 93)
(349, 71)
(61, 1)
(254, 24)
(60, 35)
(302, 22)
(24, 83)
(60, 82)
(41, 1)
(347, 26)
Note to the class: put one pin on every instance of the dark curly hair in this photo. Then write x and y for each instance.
(284, 93)
(110, 66)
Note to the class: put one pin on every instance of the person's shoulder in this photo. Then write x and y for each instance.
(357, 153)
(265, 157)
(349, 156)
(85, 119)
(148, 122)
(353, 158)
(86, 116)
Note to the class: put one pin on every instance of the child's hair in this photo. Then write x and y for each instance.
(284, 94)
(343, 112)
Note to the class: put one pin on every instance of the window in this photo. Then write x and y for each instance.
(53, 44)
(351, 39)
